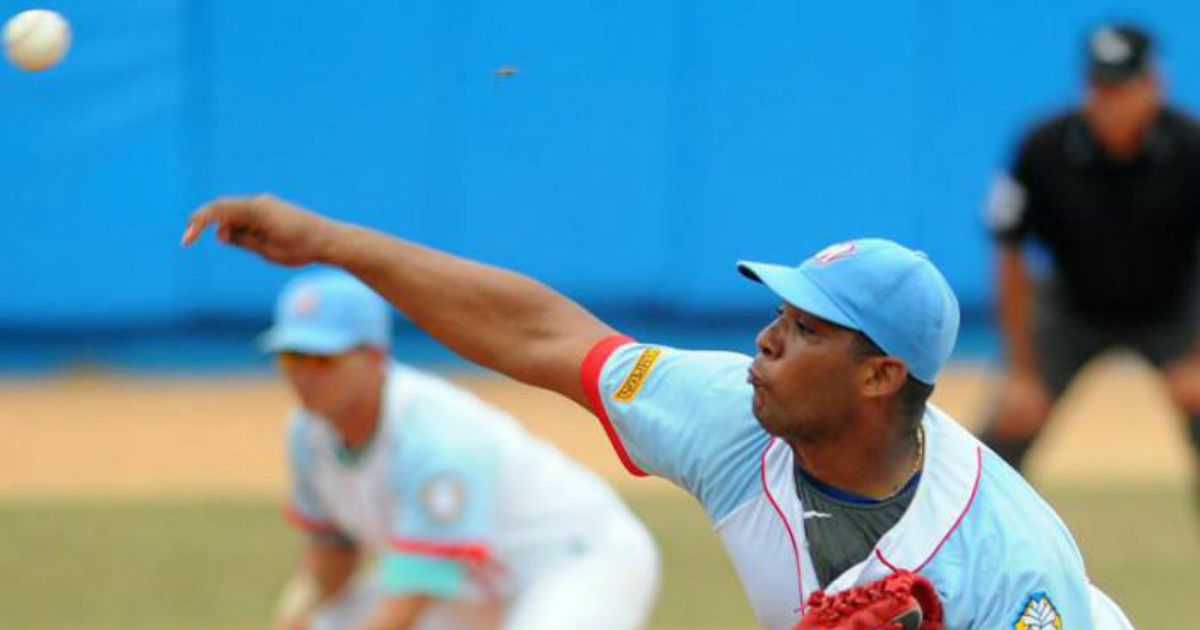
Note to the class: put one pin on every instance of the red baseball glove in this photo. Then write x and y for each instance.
(901, 601)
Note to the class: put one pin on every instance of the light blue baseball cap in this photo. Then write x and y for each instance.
(328, 312)
(891, 294)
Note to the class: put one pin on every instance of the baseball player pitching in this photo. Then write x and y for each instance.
(843, 499)
(424, 507)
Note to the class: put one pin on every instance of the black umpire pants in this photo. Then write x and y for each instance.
(1066, 340)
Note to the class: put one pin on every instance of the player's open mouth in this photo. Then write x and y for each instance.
(753, 378)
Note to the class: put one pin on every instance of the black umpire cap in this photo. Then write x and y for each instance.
(1117, 53)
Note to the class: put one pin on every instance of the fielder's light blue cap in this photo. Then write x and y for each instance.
(328, 312)
(891, 294)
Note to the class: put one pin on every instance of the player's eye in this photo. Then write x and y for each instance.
(801, 327)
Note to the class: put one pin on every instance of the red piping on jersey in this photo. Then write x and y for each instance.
(297, 518)
(786, 525)
(476, 553)
(486, 580)
(589, 374)
(970, 501)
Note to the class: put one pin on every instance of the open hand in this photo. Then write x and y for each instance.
(1183, 383)
(1024, 407)
(268, 226)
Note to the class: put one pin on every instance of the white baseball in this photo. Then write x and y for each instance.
(36, 39)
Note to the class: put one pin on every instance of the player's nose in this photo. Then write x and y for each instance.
(764, 341)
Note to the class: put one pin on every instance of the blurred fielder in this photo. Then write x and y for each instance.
(427, 509)
(839, 494)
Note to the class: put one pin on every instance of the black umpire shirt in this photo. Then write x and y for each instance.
(1123, 235)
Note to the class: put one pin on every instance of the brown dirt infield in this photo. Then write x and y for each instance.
(105, 435)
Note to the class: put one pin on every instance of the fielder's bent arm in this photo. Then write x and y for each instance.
(494, 317)
(1014, 307)
(325, 572)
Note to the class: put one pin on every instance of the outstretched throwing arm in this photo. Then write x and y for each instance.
(494, 317)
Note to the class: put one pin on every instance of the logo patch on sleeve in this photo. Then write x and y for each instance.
(632, 383)
(1039, 613)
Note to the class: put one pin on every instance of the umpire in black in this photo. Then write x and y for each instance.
(1111, 191)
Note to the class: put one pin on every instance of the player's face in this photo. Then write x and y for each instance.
(328, 385)
(804, 376)
(1120, 113)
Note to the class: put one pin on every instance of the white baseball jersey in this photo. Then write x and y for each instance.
(997, 554)
(455, 498)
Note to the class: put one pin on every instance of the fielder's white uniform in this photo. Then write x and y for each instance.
(454, 499)
(997, 554)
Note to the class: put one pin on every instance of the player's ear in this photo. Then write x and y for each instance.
(884, 376)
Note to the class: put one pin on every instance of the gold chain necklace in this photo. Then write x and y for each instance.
(918, 462)
(920, 450)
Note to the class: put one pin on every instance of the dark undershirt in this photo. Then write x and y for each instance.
(842, 528)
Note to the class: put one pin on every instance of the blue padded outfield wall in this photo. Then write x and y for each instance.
(634, 151)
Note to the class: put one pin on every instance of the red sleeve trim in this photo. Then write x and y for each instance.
(311, 525)
(593, 364)
(589, 372)
(475, 553)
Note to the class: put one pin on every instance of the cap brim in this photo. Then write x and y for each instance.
(797, 289)
(1113, 75)
(307, 340)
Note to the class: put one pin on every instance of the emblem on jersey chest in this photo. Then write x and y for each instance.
(629, 388)
(442, 498)
(1038, 613)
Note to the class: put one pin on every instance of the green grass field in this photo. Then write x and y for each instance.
(216, 565)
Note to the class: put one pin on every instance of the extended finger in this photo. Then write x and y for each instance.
(218, 211)
(195, 226)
